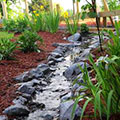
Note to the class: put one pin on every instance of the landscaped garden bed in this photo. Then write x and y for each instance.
(48, 74)
(24, 62)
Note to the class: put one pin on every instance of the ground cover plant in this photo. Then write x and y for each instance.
(28, 41)
(84, 28)
(4, 34)
(6, 48)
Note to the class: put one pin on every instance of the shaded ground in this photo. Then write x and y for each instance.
(10, 69)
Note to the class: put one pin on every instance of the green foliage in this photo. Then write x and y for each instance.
(16, 25)
(114, 46)
(104, 94)
(28, 41)
(21, 24)
(72, 24)
(114, 4)
(6, 48)
(9, 25)
(6, 35)
(52, 20)
(36, 22)
(84, 28)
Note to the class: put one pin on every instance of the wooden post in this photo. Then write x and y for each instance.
(26, 7)
(73, 7)
(106, 8)
(51, 5)
(77, 5)
(4, 7)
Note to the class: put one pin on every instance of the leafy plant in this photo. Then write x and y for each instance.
(6, 48)
(114, 46)
(39, 21)
(28, 41)
(104, 93)
(16, 25)
(9, 25)
(52, 20)
(84, 28)
(6, 35)
(72, 24)
(21, 24)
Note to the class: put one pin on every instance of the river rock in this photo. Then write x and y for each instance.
(43, 68)
(73, 70)
(66, 110)
(74, 38)
(48, 117)
(26, 89)
(16, 110)
(28, 76)
(20, 100)
(3, 117)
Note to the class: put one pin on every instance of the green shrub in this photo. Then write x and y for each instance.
(28, 41)
(6, 48)
(52, 20)
(21, 25)
(104, 94)
(6, 35)
(16, 25)
(9, 25)
(84, 28)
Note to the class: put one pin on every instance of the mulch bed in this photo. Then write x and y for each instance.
(24, 62)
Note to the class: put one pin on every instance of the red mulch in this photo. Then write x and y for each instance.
(24, 62)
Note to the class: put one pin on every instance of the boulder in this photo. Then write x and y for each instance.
(66, 110)
(20, 100)
(74, 38)
(48, 117)
(43, 68)
(16, 110)
(28, 76)
(3, 117)
(73, 70)
(26, 89)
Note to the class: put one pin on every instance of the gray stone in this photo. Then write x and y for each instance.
(75, 37)
(28, 76)
(73, 70)
(3, 117)
(48, 117)
(56, 54)
(51, 63)
(66, 110)
(20, 100)
(26, 89)
(43, 68)
(66, 97)
(16, 110)
(27, 96)
(35, 106)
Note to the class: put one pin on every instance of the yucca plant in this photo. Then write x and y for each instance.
(52, 20)
(114, 46)
(6, 48)
(104, 94)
